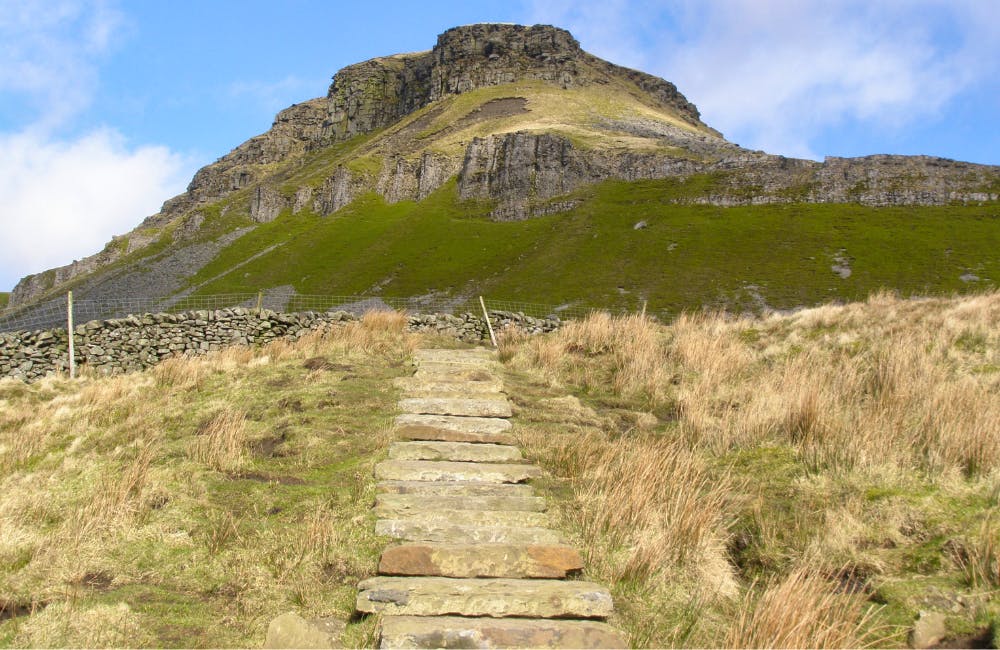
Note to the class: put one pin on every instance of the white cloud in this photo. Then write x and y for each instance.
(61, 201)
(275, 96)
(773, 74)
(62, 197)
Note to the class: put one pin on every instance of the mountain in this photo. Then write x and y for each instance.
(507, 160)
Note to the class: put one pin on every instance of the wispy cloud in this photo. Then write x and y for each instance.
(63, 196)
(773, 74)
(61, 200)
(272, 96)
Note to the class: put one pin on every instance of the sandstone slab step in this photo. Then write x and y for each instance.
(455, 423)
(457, 451)
(497, 597)
(437, 354)
(444, 532)
(481, 560)
(404, 504)
(424, 432)
(433, 470)
(454, 488)
(415, 384)
(515, 518)
(444, 372)
(462, 632)
(487, 408)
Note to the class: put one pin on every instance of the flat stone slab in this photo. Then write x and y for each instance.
(517, 518)
(424, 432)
(434, 470)
(445, 532)
(455, 423)
(497, 597)
(454, 488)
(440, 354)
(486, 408)
(405, 504)
(417, 385)
(457, 451)
(481, 560)
(494, 407)
(452, 372)
(461, 632)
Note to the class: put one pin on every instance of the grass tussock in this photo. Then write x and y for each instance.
(190, 504)
(222, 442)
(799, 611)
(725, 468)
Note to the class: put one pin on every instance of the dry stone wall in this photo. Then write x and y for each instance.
(139, 342)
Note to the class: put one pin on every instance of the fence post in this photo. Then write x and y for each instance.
(260, 303)
(489, 325)
(69, 332)
(644, 308)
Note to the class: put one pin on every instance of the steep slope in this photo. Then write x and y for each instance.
(498, 123)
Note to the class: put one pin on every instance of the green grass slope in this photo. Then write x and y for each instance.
(685, 256)
(4, 299)
(189, 505)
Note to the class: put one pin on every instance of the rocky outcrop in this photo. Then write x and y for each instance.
(525, 173)
(522, 172)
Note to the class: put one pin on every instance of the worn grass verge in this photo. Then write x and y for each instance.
(804, 480)
(189, 505)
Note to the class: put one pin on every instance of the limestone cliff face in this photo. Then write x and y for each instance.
(376, 93)
(523, 171)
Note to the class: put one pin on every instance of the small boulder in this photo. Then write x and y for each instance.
(292, 631)
(928, 630)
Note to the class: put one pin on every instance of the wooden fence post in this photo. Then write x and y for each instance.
(489, 325)
(69, 332)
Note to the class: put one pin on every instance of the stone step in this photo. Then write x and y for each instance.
(497, 597)
(440, 470)
(405, 504)
(455, 488)
(458, 451)
(455, 423)
(486, 408)
(443, 532)
(463, 632)
(423, 432)
(444, 372)
(414, 384)
(510, 518)
(481, 560)
(439, 354)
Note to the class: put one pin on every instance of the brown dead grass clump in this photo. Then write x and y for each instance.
(221, 442)
(800, 610)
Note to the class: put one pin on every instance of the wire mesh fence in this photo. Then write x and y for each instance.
(53, 313)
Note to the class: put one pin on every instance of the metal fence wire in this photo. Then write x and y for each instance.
(53, 313)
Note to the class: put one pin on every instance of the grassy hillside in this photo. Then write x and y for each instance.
(4, 299)
(189, 505)
(686, 256)
(813, 480)
(810, 480)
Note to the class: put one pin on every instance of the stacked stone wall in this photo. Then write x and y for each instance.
(138, 342)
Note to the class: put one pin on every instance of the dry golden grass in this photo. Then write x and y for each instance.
(177, 507)
(222, 442)
(799, 611)
(787, 450)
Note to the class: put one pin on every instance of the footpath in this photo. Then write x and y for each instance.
(475, 563)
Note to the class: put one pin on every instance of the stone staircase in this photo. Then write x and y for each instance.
(476, 564)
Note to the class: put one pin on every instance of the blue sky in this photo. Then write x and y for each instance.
(107, 108)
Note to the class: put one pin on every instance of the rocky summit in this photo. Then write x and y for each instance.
(495, 122)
